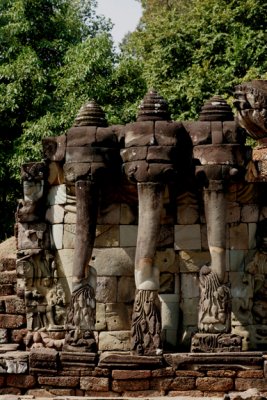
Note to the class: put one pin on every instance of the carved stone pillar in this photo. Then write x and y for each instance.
(155, 148)
(37, 274)
(31, 207)
(89, 153)
(150, 208)
(81, 312)
(215, 212)
(221, 159)
(146, 321)
(214, 306)
(251, 104)
(87, 206)
(91, 157)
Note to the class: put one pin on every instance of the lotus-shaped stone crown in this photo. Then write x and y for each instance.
(90, 114)
(153, 108)
(216, 109)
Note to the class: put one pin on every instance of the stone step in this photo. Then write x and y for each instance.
(12, 304)
(8, 263)
(8, 277)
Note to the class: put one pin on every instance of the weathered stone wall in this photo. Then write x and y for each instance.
(81, 308)
(181, 251)
(113, 263)
(12, 308)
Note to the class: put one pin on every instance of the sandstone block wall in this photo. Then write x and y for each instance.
(181, 251)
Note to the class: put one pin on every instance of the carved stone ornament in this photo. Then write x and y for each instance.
(90, 114)
(31, 207)
(214, 304)
(34, 171)
(81, 312)
(258, 269)
(43, 339)
(179, 178)
(146, 323)
(79, 341)
(91, 148)
(251, 104)
(155, 149)
(221, 159)
(153, 107)
(44, 294)
(210, 343)
(81, 321)
(216, 109)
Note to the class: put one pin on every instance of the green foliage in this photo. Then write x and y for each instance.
(127, 88)
(55, 56)
(34, 36)
(194, 49)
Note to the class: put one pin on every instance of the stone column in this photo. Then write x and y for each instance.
(220, 154)
(81, 312)
(146, 321)
(36, 269)
(214, 311)
(155, 149)
(150, 208)
(86, 217)
(91, 148)
(215, 213)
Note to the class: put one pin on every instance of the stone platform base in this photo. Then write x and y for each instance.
(49, 373)
(251, 394)
(26, 397)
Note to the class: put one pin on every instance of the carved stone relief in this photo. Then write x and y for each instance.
(223, 342)
(156, 150)
(214, 304)
(45, 297)
(163, 186)
(251, 103)
(90, 161)
(31, 208)
(146, 323)
(258, 269)
(221, 160)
